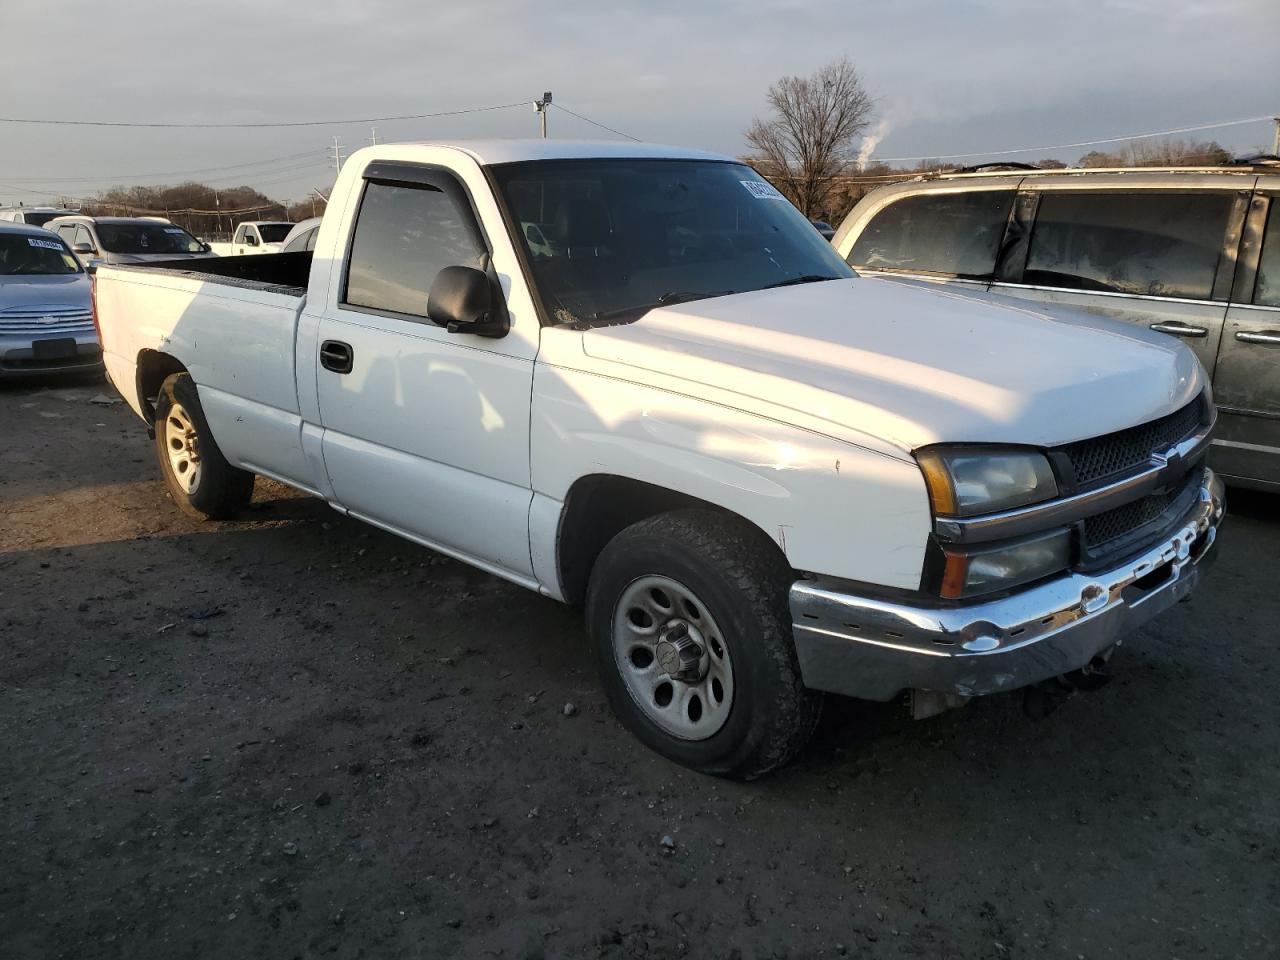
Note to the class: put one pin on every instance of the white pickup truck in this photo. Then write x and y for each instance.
(762, 477)
(254, 237)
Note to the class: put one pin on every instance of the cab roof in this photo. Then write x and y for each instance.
(491, 152)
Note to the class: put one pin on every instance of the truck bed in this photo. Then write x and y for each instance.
(283, 273)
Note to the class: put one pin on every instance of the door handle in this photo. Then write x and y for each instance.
(1264, 337)
(337, 356)
(1179, 329)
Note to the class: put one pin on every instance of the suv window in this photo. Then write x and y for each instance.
(404, 236)
(955, 234)
(306, 240)
(1267, 291)
(1144, 244)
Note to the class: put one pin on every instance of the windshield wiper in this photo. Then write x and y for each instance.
(666, 300)
(792, 281)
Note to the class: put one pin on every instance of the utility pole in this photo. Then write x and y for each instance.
(337, 156)
(540, 108)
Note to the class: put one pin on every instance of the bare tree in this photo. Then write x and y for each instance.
(809, 138)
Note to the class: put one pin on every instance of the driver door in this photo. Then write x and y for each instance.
(426, 432)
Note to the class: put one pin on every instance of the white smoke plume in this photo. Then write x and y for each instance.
(871, 141)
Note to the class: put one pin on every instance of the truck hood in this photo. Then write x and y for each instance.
(25, 291)
(911, 366)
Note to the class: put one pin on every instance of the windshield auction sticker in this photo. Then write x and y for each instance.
(45, 244)
(761, 190)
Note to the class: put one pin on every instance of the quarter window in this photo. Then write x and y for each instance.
(1267, 291)
(949, 234)
(1142, 244)
(302, 242)
(404, 236)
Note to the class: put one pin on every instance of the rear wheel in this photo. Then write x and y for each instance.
(689, 617)
(201, 481)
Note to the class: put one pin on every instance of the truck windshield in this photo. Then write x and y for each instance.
(274, 232)
(22, 253)
(608, 240)
(146, 238)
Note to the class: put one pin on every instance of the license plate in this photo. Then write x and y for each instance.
(54, 349)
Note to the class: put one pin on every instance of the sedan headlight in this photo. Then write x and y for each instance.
(967, 481)
(970, 573)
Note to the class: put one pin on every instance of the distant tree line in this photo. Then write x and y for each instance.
(201, 210)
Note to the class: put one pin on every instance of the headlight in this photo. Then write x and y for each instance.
(963, 482)
(973, 572)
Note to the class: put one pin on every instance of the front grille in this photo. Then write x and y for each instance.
(1099, 459)
(45, 321)
(1128, 527)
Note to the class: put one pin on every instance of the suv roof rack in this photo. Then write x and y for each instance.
(1235, 167)
(995, 165)
(1255, 160)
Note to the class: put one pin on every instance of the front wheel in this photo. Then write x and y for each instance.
(201, 481)
(689, 618)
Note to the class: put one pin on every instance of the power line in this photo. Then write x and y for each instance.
(1066, 146)
(594, 123)
(266, 161)
(259, 125)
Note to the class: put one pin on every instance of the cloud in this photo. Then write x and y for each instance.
(959, 76)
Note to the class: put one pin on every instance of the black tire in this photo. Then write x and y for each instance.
(742, 579)
(220, 490)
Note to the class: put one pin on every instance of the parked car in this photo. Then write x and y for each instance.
(761, 476)
(254, 237)
(46, 320)
(97, 240)
(302, 237)
(33, 216)
(1194, 254)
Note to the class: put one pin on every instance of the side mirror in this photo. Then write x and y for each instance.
(82, 247)
(205, 248)
(92, 266)
(250, 240)
(462, 301)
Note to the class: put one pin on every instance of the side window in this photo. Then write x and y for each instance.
(1143, 244)
(302, 242)
(404, 236)
(1267, 291)
(951, 234)
(68, 233)
(84, 236)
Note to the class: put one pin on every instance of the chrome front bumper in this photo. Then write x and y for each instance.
(874, 649)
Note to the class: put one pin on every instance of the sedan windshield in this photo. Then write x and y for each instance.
(608, 240)
(22, 253)
(146, 238)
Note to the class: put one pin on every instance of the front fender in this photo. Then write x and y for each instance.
(834, 508)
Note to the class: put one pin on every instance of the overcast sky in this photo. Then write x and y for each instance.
(949, 76)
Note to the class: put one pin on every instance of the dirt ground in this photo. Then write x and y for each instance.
(296, 736)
